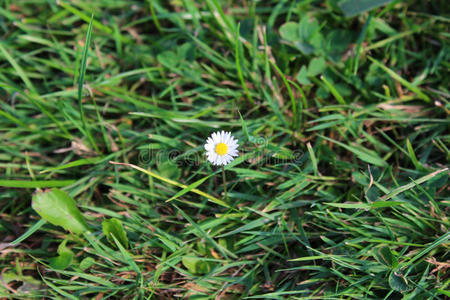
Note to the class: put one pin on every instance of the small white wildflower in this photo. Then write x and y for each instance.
(221, 148)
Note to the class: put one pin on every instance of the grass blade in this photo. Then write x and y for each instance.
(398, 78)
(83, 66)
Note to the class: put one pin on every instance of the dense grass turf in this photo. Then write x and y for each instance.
(340, 190)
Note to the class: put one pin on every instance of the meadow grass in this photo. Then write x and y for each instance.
(341, 111)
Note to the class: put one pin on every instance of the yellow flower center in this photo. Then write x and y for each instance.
(221, 149)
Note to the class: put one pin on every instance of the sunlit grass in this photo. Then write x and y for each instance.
(339, 191)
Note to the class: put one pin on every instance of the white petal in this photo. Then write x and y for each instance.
(231, 150)
(228, 158)
(209, 146)
(211, 156)
(224, 138)
(227, 137)
(233, 153)
(231, 146)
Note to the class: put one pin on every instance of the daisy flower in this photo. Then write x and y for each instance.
(221, 148)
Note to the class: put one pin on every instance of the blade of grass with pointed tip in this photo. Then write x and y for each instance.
(18, 69)
(76, 163)
(35, 183)
(291, 95)
(29, 232)
(244, 126)
(225, 252)
(13, 119)
(371, 157)
(313, 158)
(441, 240)
(361, 38)
(239, 69)
(400, 79)
(83, 66)
(209, 197)
(333, 91)
(409, 186)
(86, 18)
(413, 156)
(189, 188)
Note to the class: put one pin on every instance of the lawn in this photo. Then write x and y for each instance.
(340, 189)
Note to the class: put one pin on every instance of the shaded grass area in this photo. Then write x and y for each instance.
(341, 187)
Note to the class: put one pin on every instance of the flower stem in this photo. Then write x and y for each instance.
(224, 184)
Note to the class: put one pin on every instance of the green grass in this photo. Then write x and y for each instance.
(341, 187)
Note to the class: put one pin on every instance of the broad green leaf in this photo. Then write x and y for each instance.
(86, 263)
(384, 256)
(64, 259)
(316, 66)
(114, 227)
(352, 8)
(308, 28)
(196, 265)
(302, 76)
(398, 282)
(290, 31)
(58, 208)
(305, 36)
